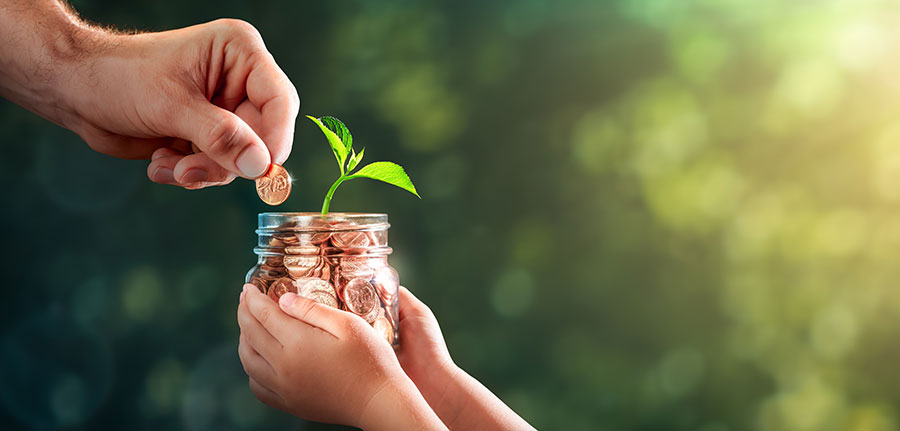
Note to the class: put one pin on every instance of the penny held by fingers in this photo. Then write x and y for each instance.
(275, 186)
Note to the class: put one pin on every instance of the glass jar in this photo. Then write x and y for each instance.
(339, 260)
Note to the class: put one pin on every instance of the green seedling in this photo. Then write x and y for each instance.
(348, 159)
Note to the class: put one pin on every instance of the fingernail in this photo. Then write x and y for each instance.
(192, 176)
(243, 292)
(163, 175)
(288, 299)
(253, 162)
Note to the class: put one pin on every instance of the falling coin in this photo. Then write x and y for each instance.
(275, 186)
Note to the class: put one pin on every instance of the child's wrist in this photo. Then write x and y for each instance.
(397, 404)
(438, 380)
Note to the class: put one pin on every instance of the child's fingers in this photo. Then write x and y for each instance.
(255, 365)
(285, 329)
(321, 316)
(253, 331)
(411, 306)
(266, 395)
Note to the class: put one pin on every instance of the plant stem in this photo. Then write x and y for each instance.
(328, 196)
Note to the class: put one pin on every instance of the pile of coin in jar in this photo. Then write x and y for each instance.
(336, 266)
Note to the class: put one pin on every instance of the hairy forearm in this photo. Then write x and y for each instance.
(45, 48)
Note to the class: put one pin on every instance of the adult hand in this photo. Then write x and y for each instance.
(212, 85)
(206, 103)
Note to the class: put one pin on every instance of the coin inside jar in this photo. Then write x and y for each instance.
(323, 297)
(305, 261)
(280, 287)
(260, 284)
(383, 326)
(275, 186)
(360, 296)
(316, 285)
(350, 239)
(336, 262)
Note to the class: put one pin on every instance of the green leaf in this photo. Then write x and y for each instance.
(388, 172)
(355, 159)
(340, 130)
(337, 146)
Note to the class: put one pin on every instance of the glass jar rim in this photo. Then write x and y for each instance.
(308, 222)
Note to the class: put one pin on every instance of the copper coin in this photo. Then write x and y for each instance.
(319, 232)
(280, 287)
(268, 272)
(304, 260)
(298, 272)
(283, 239)
(319, 271)
(319, 237)
(390, 311)
(318, 285)
(355, 267)
(275, 186)
(384, 327)
(324, 298)
(260, 284)
(387, 283)
(372, 315)
(360, 296)
(350, 239)
(302, 250)
(300, 284)
(326, 272)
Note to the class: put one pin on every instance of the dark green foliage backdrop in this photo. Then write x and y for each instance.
(640, 214)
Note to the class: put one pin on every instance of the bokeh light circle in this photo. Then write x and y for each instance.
(55, 372)
(80, 180)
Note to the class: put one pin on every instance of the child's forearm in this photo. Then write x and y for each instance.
(463, 403)
(398, 405)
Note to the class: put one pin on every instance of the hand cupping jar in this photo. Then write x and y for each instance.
(339, 260)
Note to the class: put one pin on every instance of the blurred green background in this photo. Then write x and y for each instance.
(636, 214)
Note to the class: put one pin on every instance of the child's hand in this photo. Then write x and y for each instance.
(422, 351)
(327, 365)
(458, 399)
